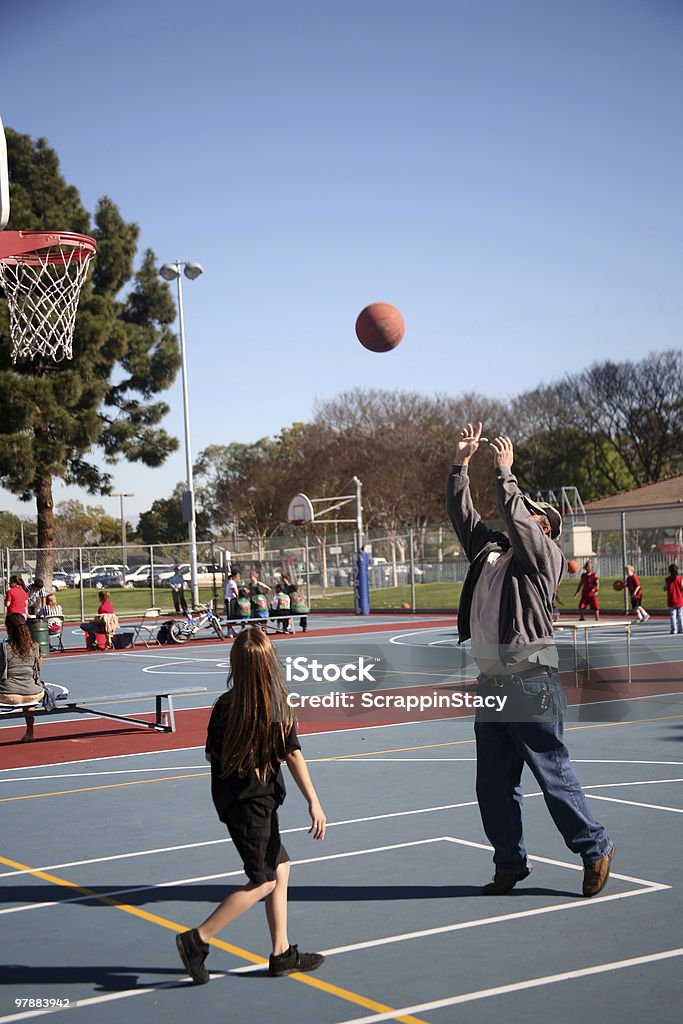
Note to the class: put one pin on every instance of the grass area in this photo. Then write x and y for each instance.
(427, 596)
(447, 596)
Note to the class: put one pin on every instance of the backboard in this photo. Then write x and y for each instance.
(4, 180)
(300, 510)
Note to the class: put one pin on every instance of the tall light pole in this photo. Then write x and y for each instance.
(123, 531)
(169, 272)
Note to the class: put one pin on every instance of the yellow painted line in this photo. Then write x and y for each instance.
(95, 789)
(243, 954)
(394, 750)
(457, 743)
(611, 725)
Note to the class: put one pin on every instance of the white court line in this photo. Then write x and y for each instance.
(558, 863)
(486, 993)
(602, 760)
(79, 1004)
(646, 888)
(642, 782)
(120, 771)
(332, 732)
(388, 940)
(333, 824)
(214, 842)
(311, 760)
(635, 803)
(111, 893)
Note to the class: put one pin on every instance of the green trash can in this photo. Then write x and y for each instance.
(40, 634)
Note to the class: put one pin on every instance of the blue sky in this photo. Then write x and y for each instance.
(506, 172)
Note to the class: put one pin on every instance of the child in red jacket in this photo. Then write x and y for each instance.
(674, 598)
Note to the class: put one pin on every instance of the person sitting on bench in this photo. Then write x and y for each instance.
(20, 665)
(243, 604)
(259, 604)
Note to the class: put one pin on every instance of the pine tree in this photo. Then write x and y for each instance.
(65, 420)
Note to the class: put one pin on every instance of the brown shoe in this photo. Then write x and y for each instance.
(595, 875)
(505, 881)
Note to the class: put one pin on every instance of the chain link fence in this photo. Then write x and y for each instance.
(137, 575)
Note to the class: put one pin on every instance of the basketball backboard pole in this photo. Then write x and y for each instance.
(4, 180)
(301, 513)
(169, 271)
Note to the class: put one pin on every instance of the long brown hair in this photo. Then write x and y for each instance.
(19, 636)
(256, 715)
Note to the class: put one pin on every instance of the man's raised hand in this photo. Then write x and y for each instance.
(502, 452)
(469, 440)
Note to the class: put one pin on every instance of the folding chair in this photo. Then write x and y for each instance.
(148, 627)
(55, 634)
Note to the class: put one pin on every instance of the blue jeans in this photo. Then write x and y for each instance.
(676, 617)
(526, 733)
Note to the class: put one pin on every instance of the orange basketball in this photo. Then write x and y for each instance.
(380, 327)
(618, 585)
(572, 566)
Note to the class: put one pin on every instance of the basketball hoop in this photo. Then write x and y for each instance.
(300, 511)
(42, 273)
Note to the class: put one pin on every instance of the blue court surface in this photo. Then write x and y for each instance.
(103, 860)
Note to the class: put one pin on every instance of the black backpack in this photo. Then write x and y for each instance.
(164, 633)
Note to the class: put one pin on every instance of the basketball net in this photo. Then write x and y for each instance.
(42, 274)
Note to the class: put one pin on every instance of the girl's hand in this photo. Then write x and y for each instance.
(319, 820)
(469, 440)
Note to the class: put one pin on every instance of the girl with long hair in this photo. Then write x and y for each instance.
(20, 665)
(251, 732)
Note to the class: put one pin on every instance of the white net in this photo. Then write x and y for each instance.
(42, 289)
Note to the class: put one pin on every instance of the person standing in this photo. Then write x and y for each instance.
(256, 585)
(16, 598)
(299, 606)
(589, 584)
(636, 593)
(232, 589)
(282, 602)
(674, 598)
(506, 610)
(177, 584)
(251, 732)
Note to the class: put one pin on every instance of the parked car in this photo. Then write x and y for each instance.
(106, 580)
(74, 577)
(139, 577)
(205, 574)
(59, 581)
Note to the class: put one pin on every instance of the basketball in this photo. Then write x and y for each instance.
(618, 585)
(572, 566)
(380, 327)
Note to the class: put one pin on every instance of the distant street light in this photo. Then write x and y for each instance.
(169, 272)
(123, 532)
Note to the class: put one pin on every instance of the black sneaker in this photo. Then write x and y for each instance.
(193, 953)
(293, 960)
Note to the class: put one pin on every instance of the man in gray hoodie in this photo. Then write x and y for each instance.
(506, 609)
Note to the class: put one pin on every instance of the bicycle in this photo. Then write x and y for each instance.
(182, 631)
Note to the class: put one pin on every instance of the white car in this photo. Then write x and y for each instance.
(139, 577)
(205, 576)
